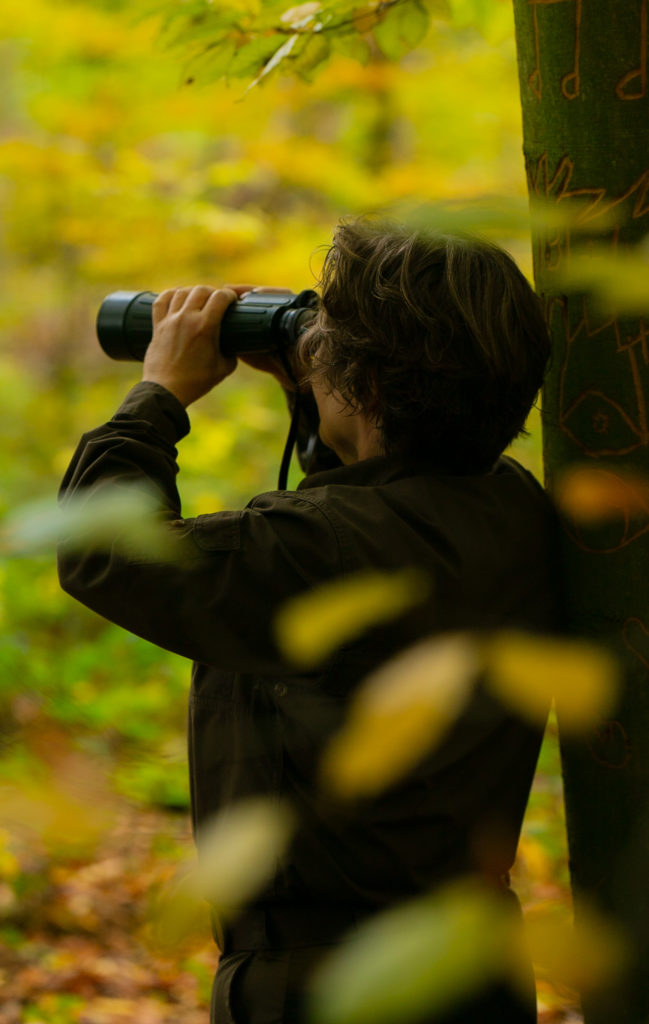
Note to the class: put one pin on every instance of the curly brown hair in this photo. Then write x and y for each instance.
(438, 338)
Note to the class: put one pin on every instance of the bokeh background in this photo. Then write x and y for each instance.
(116, 173)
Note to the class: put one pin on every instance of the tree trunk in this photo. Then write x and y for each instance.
(583, 81)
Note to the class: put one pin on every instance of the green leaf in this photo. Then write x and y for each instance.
(491, 18)
(281, 54)
(123, 516)
(403, 27)
(351, 45)
(499, 216)
(239, 849)
(238, 852)
(469, 12)
(252, 58)
(315, 51)
(417, 960)
(211, 64)
(196, 28)
(336, 12)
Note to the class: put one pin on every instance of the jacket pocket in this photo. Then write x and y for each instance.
(221, 1009)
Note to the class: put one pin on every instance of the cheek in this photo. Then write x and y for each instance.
(322, 412)
(319, 393)
(325, 401)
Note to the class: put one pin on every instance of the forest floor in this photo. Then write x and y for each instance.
(80, 949)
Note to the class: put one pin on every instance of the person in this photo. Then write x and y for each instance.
(424, 358)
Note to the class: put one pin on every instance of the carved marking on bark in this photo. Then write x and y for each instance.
(557, 187)
(615, 431)
(636, 639)
(637, 381)
(633, 86)
(611, 746)
(598, 420)
(570, 83)
(600, 406)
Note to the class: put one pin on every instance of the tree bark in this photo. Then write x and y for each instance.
(583, 82)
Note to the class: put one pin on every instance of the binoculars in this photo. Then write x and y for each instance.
(259, 322)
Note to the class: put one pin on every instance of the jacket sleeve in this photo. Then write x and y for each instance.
(215, 597)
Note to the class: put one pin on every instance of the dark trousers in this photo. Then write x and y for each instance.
(267, 986)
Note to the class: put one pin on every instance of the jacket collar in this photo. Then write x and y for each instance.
(381, 469)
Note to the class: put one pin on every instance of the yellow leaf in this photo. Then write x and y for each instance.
(61, 819)
(617, 279)
(401, 712)
(210, 441)
(594, 494)
(238, 853)
(179, 921)
(9, 865)
(526, 672)
(310, 627)
(583, 956)
(536, 859)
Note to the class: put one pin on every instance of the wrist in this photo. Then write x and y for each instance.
(180, 391)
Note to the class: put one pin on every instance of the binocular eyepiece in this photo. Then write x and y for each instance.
(259, 322)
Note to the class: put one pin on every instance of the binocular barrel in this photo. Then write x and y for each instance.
(259, 322)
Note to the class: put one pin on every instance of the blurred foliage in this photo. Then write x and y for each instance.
(422, 957)
(399, 713)
(433, 953)
(614, 279)
(587, 494)
(526, 672)
(403, 710)
(310, 627)
(116, 174)
(125, 516)
(254, 40)
(239, 850)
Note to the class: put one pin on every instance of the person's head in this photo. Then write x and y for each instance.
(438, 340)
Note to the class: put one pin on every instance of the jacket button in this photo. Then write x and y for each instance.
(279, 689)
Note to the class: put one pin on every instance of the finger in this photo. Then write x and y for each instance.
(178, 299)
(217, 304)
(269, 290)
(198, 296)
(161, 304)
(240, 289)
